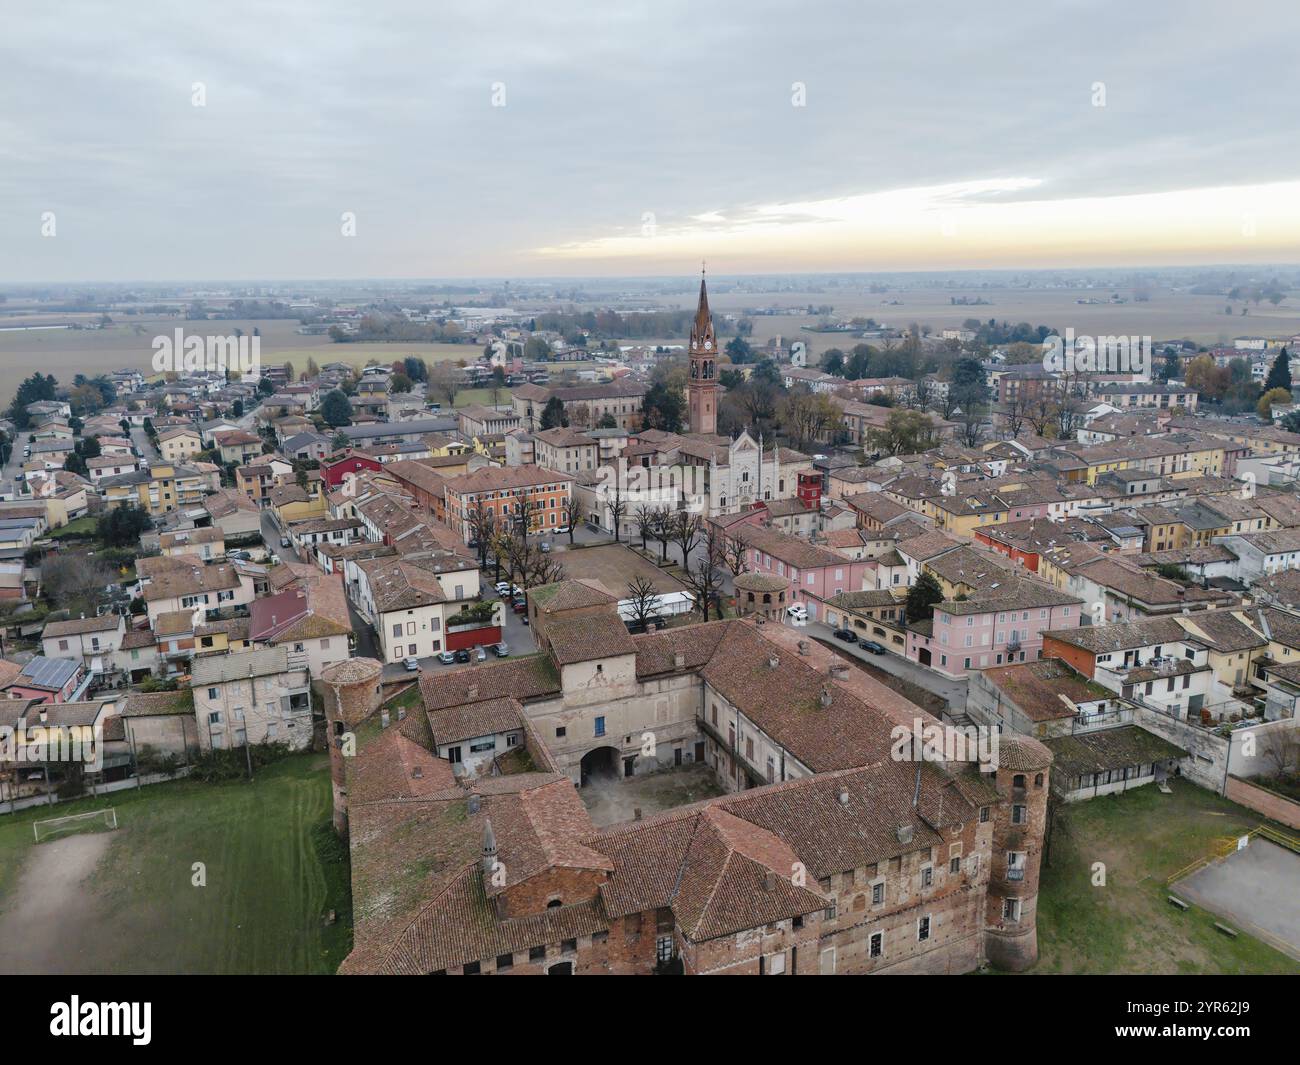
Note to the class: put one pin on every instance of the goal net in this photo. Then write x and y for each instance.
(95, 821)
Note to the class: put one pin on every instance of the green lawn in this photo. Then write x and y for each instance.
(80, 527)
(273, 864)
(1129, 926)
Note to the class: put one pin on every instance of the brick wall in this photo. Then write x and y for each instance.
(1275, 807)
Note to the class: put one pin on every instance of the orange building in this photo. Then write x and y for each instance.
(501, 490)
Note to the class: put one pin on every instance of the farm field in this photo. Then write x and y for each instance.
(123, 902)
(128, 343)
(1129, 926)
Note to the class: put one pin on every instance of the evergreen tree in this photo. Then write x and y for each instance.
(1280, 375)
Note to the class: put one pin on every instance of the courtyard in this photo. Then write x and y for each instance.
(611, 799)
(1256, 889)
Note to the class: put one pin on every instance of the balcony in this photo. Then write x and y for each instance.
(1094, 722)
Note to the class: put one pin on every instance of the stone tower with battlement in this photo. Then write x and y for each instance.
(353, 693)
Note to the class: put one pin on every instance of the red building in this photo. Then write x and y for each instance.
(335, 469)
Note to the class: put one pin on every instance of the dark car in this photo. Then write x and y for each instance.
(873, 647)
(520, 606)
(462, 655)
(847, 635)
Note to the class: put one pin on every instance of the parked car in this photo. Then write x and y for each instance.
(412, 664)
(284, 541)
(501, 650)
(546, 547)
(446, 657)
(240, 556)
(520, 606)
(461, 656)
(873, 647)
(796, 612)
(562, 529)
(480, 654)
(503, 588)
(847, 635)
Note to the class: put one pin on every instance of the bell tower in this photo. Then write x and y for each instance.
(702, 387)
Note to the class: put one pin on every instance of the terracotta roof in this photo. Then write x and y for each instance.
(78, 626)
(1116, 748)
(588, 637)
(1040, 688)
(467, 722)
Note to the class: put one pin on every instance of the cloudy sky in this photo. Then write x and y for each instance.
(524, 139)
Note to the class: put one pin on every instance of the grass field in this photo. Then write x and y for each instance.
(1129, 926)
(274, 869)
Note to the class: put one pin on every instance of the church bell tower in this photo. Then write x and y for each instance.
(702, 387)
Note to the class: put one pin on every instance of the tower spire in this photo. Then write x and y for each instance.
(701, 391)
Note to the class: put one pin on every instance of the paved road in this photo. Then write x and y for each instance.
(922, 676)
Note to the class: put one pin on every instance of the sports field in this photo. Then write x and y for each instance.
(1128, 924)
(125, 901)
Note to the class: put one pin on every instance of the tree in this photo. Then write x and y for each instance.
(264, 386)
(34, 389)
(705, 577)
(572, 514)
(642, 600)
(922, 597)
(340, 441)
(809, 417)
(663, 408)
(739, 350)
(1266, 401)
(1280, 374)
(445, 380)
(399, 383)
(237, 409)
(735, 555)
(686, 532)
(1209, 380)
(554, 415)
(123, 525)
(644, 516)
(75, 582)
(335, 409)
(617, 508)
(76, 463)
(663, 530)
(906, 432)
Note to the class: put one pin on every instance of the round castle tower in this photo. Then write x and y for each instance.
(354, 692)
(1019, 824)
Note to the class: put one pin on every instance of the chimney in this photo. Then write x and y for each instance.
(474, 804)
(803, 647)
(44, 715)
(636, 813)
(839, 671)
(383, 719)
(904, 833)
(489, 847)
(773, 661)
(417, 772)
(679, 660)
(825, 698)
(473, 692)
(769, 881)
(844, 798)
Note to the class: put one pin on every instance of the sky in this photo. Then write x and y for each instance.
(278, 140)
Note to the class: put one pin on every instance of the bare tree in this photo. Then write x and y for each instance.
(482, 526)
(705, 579)
(663, 530)
(735, 555)
(75, 583)
(572, 514)
(617, 508)
(686, 532)
(541, 567)
(644, 516)
(642, 599)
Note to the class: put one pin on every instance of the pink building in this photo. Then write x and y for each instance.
(814, 573)
(995, 627)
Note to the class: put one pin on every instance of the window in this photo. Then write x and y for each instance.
(1015, 865)
(878, 893)
(600, 726)
(214, 693)
(954, 865)
(663, 948)
(1019, 815)
(984, 815)
(927, 877)
(877, 944)
(923, 928)
(560, 732)
(1011, 909)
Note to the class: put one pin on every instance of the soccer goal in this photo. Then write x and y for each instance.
(96, 820)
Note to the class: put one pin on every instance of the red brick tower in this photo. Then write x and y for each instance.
(1019, 822)
(702, 388)
(354, 691)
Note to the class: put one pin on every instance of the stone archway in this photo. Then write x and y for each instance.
(600, 763)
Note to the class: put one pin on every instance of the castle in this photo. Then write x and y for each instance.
(473, 851)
